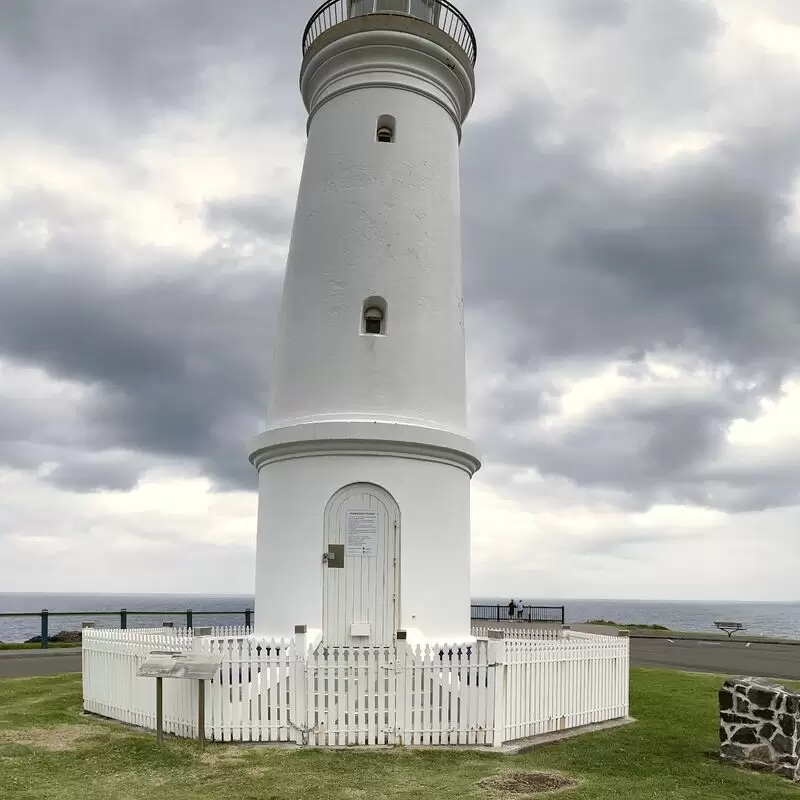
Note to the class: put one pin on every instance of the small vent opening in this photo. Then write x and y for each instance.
(386, 129)
(373, 317)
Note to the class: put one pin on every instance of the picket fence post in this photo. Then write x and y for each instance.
(402, 700)
(497, 662)
(297, 687)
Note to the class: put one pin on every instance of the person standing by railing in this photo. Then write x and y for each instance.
(520, 608)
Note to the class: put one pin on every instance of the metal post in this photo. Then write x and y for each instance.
(159, 711)
(562, 615)
(247, 622)
(498, 613)
(44, 628)
(123, 618)
(189, 618)
(201, 714)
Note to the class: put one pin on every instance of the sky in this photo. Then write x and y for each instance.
(631, 216)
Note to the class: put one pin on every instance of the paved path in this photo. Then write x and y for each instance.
(725, 658)
(27, 663)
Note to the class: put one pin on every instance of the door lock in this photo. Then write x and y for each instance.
(334, 557)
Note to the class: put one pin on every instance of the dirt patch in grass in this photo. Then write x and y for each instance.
(528, 783)
(55, 739)
(219, 755)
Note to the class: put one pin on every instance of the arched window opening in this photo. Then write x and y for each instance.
(373, 317)
(386, 129)
(373, 321)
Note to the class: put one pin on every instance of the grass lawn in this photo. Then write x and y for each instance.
(47, 750)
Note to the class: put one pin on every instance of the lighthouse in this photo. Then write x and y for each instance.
(365, 464)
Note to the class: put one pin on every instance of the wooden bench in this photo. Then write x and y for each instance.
(730, 627)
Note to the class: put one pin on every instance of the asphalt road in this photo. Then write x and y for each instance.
(725, 658)
(29, 663)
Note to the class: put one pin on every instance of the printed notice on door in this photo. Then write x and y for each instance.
(362, 534)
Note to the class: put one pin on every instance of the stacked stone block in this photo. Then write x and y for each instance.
(760, 726)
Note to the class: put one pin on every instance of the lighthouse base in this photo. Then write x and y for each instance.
(362, 537)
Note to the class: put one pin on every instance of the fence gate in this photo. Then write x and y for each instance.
(398, 695)
(351, 696)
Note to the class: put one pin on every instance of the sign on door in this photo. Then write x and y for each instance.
(362, 534)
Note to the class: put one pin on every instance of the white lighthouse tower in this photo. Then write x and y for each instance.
(365, 465)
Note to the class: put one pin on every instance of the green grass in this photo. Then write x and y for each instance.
(666, 755)
(34, 645)
(628, 625)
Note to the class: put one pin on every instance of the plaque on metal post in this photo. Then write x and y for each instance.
(201, 667)
(171, 664)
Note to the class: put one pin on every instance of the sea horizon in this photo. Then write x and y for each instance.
(476, 599)
(760, 617)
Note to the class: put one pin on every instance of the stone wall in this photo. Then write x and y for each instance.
(760, 726)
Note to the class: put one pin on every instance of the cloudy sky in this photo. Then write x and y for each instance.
(631, 235)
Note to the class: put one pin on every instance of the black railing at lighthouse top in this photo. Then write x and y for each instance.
(439, 13)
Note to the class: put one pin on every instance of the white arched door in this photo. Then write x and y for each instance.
(360, 585)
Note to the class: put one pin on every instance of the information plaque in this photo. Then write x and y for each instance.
(201, 667)
(192, 666)
(362, 534)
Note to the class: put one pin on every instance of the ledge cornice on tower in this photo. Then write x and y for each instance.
(386, 50)
(364, 438)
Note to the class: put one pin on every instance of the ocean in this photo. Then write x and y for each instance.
(769, 619)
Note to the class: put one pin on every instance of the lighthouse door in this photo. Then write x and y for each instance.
(361, 567)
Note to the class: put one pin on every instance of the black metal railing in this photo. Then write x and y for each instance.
(484, 613)
(505, 613)
(189, 615)
(439, 13)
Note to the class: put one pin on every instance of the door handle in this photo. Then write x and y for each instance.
(334, 557)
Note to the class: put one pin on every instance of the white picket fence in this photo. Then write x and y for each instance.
(484, 693)
(547, 634)
(556, 685)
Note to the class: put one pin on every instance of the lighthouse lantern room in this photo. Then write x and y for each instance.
(364, 467)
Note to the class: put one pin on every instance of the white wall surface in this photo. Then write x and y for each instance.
(434, 541)
(383, 220)
(372, 220)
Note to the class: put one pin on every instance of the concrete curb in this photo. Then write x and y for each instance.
(532, 742)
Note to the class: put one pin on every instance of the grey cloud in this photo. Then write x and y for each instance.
(585, 15)
(95, 71)
(580, 262)
(176, 364)
(95, 474)
(589, 264)
(630, 443)
(251, 217)
(590, 261)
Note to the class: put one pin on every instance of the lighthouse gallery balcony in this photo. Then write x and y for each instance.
(443, 21)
